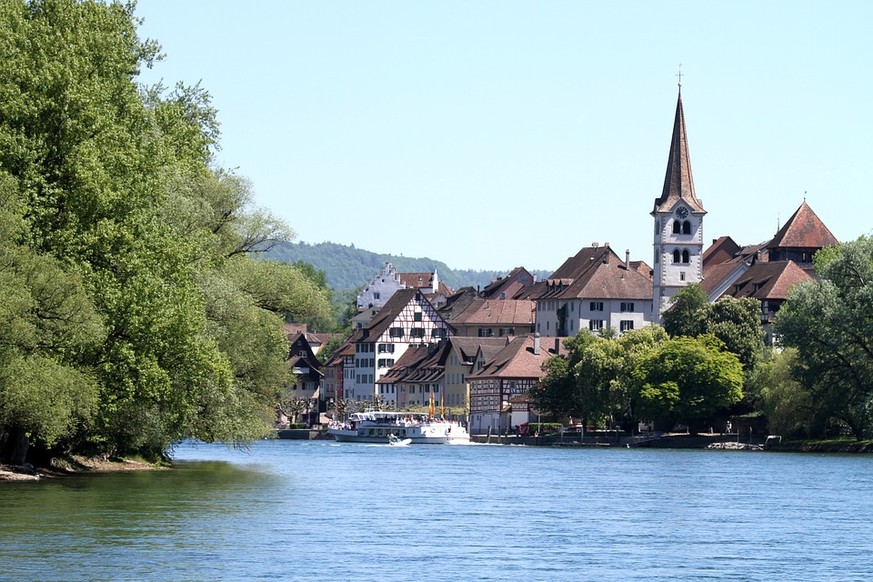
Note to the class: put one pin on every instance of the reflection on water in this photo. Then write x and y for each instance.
(324, 511)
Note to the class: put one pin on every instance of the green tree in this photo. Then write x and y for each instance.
(787, 404)
(581, 384)
(830, 322)
(736, 322)
(635, 344)
(687, 379)
(48, 328)
(121, 201)
(687, 315)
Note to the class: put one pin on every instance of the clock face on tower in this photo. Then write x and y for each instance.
(681, 212)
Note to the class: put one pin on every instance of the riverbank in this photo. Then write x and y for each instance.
(75, 465)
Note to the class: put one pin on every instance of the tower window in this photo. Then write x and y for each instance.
(677, 227)
(676, 256)
(685, 256)
(686, 227)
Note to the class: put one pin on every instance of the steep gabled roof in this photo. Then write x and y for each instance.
(345, 350)
(496, 312)
(408, 363)
(416, 280)
(386, 316)
(517, 360)
(576, 265)
(722, 249)
(467, 348)
(769, 281)
(597, 273)
(804, 230)
(678, 183)
(510, 285)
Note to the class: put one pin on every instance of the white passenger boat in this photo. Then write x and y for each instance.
(375, 426)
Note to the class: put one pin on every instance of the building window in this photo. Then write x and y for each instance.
(676, 256)
(685, 256)
(597, 306)
(625, 325)
(395, 332)
(377, 295)
(417, 316)
(486, 332)
(386, 362)
(627, 305)
(595, 324)
(677, 227)
(686, 227)
(682, 276)
(417, 332)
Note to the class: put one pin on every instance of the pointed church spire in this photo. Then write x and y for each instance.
(679, 183)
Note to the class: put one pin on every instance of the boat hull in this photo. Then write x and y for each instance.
(353, 436)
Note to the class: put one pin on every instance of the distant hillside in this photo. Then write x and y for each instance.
(347, 267)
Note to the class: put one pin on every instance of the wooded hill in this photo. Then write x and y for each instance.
(347, 267)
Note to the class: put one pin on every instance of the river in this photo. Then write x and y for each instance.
(318, 510)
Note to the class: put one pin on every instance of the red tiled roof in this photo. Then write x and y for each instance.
(722, 249)
(416, 280)
(771, 280)
(496, 312)
(596, 273)
(517, 360)
(804, 230)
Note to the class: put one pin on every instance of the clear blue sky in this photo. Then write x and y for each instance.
(493, 134)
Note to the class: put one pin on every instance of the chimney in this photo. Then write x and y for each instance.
(536, 344)
(627, 259)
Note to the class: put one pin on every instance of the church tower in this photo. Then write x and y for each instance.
(678, 215)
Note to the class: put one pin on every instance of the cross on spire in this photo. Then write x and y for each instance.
(679, 74)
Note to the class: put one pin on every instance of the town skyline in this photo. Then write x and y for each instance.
(542, 128)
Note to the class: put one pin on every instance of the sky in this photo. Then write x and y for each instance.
(496, 134)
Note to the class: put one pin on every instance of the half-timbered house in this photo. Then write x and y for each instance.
(516, 369)
(407, 319)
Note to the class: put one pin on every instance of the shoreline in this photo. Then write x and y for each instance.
(73, 466)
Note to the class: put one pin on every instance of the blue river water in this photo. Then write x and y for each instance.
(319, 510)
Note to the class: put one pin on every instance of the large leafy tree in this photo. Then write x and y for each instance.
(830, 322)
(786, 402)
(579, 385)
(120, 195)
(48, 325)
(687, 379)
(736, 322)
(593, 381)
(687, 315)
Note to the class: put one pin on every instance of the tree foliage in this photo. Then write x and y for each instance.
(786, 402)
(134, 312)
(736, 322)
(593, 381)
(830, 323)
(687, 379)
